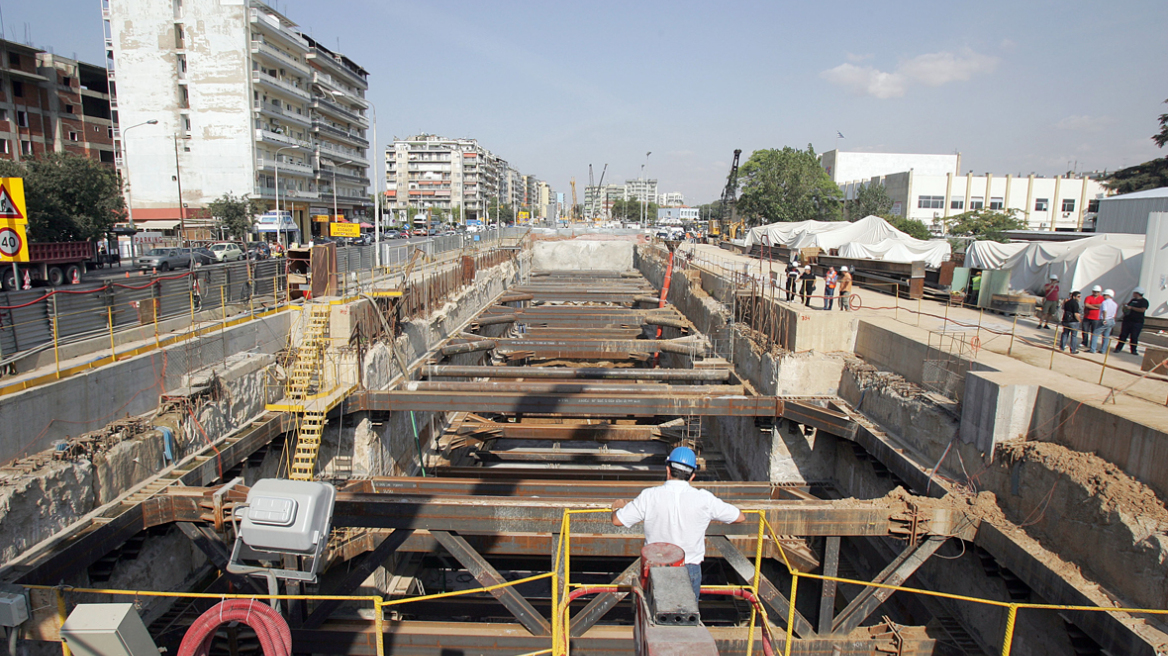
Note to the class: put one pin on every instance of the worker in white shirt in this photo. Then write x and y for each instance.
(678, 513)
(1101, 335)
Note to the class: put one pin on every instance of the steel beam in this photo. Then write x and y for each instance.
(487, 576)
(485, 430)
(356, 576)
(603, 602)
(217, 552)
(542, 347)
(728, 490)
(776, 602)
(597, 373)
(573, 388)
(897, 572)
(514, 473)
(594, 405)
(831, 556)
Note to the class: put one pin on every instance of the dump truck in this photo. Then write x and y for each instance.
(53, 263)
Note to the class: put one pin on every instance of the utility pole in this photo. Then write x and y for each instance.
(182, 212)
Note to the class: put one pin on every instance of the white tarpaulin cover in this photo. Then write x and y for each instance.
(1111, 261)
(871, 237)
(991, 254)
(905, 249)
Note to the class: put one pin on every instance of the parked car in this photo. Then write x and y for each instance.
(258, 250)
(226, 251)
(363, 240)
(391, 234)
(433, 232)
(164, 259)
(199, 255)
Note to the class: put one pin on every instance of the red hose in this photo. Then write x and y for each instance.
(767, 648)
(274, 635)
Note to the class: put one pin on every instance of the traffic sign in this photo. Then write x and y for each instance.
(13, 242)
(12, 200)
(344, 230)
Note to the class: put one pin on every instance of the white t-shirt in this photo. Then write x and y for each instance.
(677, 513)
(1108, 309)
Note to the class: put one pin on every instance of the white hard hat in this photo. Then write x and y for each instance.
(807, 268)
(1138, 290)
(1096, 288)
(844, 268)
(1108, 292)
(1054, 276)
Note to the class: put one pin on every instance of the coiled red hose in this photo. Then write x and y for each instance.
(271, 629)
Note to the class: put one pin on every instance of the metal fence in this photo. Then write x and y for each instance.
(30, 319)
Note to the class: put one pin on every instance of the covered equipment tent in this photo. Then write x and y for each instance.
(1110, 261)
(869, 238)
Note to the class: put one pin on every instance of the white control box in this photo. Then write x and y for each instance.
(285, 516)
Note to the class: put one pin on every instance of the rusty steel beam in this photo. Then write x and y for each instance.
(604, 602)
(512, 473)
(589, 373)
(468, 347)
(589, 432)
(595, 387)
(728, 490)
(592, 405)
(356, 575)
(591, 458)
(542, 346)
(896, 573)
(776, 602)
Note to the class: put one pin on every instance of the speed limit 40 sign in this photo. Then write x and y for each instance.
(13, 242)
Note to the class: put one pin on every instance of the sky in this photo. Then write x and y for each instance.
(555, 86)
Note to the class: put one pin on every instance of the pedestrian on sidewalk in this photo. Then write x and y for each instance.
(845, 287)
(1091, 314)
(792, 274)
(1072, 320)
(829, 282)
(808, 280)
(1050, 303)
(1133, 320)
(1101, 335)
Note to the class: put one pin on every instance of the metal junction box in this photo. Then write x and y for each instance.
(288, 517)
(107, 630)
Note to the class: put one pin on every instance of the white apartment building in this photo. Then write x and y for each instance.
(929, 188)
(671, 199)
(641, 189)
(237, 94)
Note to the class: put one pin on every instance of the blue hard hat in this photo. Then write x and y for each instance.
(683, 455)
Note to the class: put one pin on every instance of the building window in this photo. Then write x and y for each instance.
(1093, 206)
(186, 123)
(18, 89)
(996, 203)
(931, 202)
(1068, 204)
(976, 203)
(68, 109)
(4, 147)
(67, 81)
(1041, 204)
(21, 119)
(3, 114)
(26, 147)
(14, 60)
(73, 136)
(957, 204)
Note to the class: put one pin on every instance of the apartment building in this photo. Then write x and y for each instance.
(930, 188)
(216, 97)
(641, 189)
(50, 103)
(671, 199)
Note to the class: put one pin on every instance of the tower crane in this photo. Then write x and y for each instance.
(729, 225)
(572, 213)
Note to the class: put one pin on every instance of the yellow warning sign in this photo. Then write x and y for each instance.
(13, 242)
(344, 230)
(12, 206)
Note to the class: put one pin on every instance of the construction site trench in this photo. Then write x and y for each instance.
(462, 404)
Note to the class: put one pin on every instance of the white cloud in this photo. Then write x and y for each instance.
(932, 69)
(1084, 123)
(867, 81)
(855, 59)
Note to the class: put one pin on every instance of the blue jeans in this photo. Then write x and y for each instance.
(1101, 335)
(1070, 334)
(828, 298)
(695, 579)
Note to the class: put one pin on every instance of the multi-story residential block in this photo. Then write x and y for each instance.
(454, 176)
(240, 98)
(50, 104)
(930, 188)
(641, 189)
(671, 199)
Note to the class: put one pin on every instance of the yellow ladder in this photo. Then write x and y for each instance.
(306, 377)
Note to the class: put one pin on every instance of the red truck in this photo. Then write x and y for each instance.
(58, 263)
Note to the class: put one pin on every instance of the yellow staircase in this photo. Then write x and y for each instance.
(304, 381)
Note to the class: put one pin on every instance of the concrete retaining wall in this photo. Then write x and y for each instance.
(582, 255)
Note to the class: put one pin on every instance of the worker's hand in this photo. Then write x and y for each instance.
(619, 503)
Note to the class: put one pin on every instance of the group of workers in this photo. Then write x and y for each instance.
(803, 278)
(1093, 318)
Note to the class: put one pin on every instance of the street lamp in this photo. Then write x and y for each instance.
(643, 188)
(126, 166)
(276, 164)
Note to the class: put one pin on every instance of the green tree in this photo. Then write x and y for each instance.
(872, 199)
(1161, 137)
(787, 185)
(914, 227)
(234, 215)
(985, 224)
(69, 197)
(500, 212)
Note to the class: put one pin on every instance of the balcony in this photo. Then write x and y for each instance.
(326, 174)
(280, 86)
(329, 132)
(328, 107)
(268, 109)
(325, 61)
(280, 140)
(264, 163)
(271, 27)
(333, 151)
(279, 57)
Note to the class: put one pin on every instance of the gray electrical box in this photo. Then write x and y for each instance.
(13, 609)
(287, 517)
(107, 630)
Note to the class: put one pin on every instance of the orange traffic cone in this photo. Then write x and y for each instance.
(127, 274)
(27, 280)
(76, 277)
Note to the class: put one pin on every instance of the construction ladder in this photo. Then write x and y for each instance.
(307, 377)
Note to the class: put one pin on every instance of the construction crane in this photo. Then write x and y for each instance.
(572, 213)
(729, 225)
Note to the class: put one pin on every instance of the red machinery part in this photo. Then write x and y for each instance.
(767, 644)
(274, 635)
